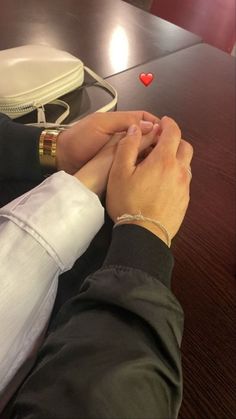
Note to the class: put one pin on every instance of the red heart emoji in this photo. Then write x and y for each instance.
(146, 79)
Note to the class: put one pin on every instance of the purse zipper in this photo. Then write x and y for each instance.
(18, 108)
(31, 107)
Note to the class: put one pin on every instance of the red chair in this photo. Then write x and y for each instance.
(213, 20)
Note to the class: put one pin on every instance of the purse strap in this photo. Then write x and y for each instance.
(103, 83)
(41, 117)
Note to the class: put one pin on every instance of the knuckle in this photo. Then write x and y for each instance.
(188, 147)
(184, 175)
(191, 151)
(173, 127)
(177, 130)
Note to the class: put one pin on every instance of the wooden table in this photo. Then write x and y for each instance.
(110, 36)
(196, 87)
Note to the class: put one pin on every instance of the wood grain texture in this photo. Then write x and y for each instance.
(110, 36)
(196, 87)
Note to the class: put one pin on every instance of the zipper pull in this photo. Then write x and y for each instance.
(41, 114)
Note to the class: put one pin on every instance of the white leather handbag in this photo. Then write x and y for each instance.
(32, 76)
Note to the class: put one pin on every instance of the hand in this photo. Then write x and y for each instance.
(94, 174)
(158, 187)
(80, 143)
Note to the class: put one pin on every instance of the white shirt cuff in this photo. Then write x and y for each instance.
(61, 214)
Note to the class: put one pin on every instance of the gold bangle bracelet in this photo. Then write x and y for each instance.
(47, 149)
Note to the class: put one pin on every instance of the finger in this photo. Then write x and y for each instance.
(150, 138)
(185, 153)
(146, 141)
(120, 121)
(170, 137)
(127, 152)
(115, 139)
(146, 116)
(147, 127)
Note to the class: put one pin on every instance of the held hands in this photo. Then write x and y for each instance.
(158, 186)
(148, 174)
(95, 173)
(80, 143)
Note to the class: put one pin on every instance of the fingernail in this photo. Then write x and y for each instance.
(146, 124)
(132, 130)
(156, 127)
(164, 117)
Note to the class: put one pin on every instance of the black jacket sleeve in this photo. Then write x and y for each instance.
(114, 351)
(19, 156)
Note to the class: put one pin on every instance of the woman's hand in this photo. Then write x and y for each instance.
(80, 143)
(95, 173)
(158, 187)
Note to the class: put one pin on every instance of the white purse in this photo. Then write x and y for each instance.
(32, 76)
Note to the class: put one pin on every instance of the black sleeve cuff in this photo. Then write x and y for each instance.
(135, 246)
(19, 156)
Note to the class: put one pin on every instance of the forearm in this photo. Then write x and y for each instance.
(42, 233)
(28, 287)
(121, 335)
(19, 151)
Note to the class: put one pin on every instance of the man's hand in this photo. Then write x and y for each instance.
(158, 186)
(80, 143)
(95, 173)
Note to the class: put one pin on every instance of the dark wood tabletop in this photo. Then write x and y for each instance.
(196, 87)
(109, 36)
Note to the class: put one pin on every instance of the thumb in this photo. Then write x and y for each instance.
(127, 151)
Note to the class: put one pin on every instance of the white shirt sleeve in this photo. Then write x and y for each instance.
(42, 233)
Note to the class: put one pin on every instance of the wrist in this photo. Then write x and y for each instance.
(88, 180)
(48, 149)
(94, 174)
(149, 226)
(61, 162)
